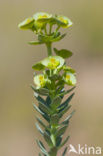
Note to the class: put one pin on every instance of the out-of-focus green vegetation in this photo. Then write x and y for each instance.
(17, 57)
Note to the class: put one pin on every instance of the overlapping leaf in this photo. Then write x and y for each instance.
(63, 53)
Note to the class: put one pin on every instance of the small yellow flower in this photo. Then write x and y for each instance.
(53, 62)
(41, 15)
(27, 23)
(39, 80)
(64, 21)
(67, 77)
(41, 77)
(40, 19)
(70, 79)
(42, 81)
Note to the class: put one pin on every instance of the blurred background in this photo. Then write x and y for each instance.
(84, 39)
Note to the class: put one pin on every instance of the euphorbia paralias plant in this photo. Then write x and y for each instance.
(50, 83)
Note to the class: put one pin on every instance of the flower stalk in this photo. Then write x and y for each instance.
(49, 49)
(49, 89)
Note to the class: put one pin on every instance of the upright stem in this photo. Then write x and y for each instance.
(45, 30)
(53, 152)
(49, 49)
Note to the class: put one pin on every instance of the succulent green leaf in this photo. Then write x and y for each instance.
(61, 131)
(37, 109)
(41, 91)
(38, 66)
(48, 38)
(42, 148)
(46, 117)
(58, 141)
(65, 141)
(65, 151)
(67, 101)
(60, 90)
(44, 108)
(48, 101)
(44, 38)
(66, 121)
(41, 123)
(56, 34)
(44, 91)
(55, 77)
(56, 102)
(27, 23)
(66, 92)
(48, 139)
(63, 53)
(62, 111)
(58, 38)
(54, 119)
(53, 38)
(39, 129)
(39, 98)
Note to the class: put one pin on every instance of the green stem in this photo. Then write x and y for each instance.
(45, 30)
(50, 29)
(49, 49)
(53, 152)
(57, 28)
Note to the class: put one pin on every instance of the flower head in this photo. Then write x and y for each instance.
(42, 16)
(53, 62)
(70, 79)
(41, 19)
(27, 23)
(39, 80)
(64, 21)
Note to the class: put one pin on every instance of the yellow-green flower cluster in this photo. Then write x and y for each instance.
(54, 64)
(39, 20)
